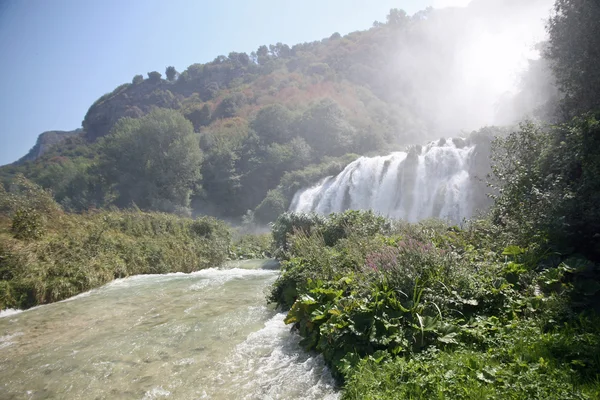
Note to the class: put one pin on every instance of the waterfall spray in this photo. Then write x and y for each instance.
(436, 180)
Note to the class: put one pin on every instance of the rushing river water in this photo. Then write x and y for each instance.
(205, 335)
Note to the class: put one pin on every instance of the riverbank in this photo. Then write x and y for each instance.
(430, 310)
(48, 255)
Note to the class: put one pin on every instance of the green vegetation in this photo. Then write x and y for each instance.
(505, 307)
(573, 53)
(434, 311)
(154, 161)
(48, 255)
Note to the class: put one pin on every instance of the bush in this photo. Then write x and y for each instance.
(289, 223)
(27, 224)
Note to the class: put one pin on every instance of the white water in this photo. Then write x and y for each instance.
(434, 181)
(206, 335)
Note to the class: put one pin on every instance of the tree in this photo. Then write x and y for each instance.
(397, 17)
(154, 76)
(137, 79)
(171, 73)
(273, 124)
(239, 59)
(199, 115)
(548, 186)
(229, 106)
(153, 161)
(262, 55)
(325, 129)
(574, 50)
(221, 182)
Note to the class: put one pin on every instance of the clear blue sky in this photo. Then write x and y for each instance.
(59, 56)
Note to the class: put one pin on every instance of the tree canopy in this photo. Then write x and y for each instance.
(154, 161)
(574, 50)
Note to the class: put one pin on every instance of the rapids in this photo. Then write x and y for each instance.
(205, 335)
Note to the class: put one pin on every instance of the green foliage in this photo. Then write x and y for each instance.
(290, 223)
(573, 50)
(137, 79)
(397, 18)
(359, 223)
(252, 246)
(549, 186)
(88, 250)
(22, 194)
(462, 375)
(27, 224)
(171, 73)
(431, 311)
(273, 124)
(325, 129)
(154, 77)
(230, 105)
(154, 161)
(273, 205)
(198, 115)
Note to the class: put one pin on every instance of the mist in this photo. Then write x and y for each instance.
(464, 66)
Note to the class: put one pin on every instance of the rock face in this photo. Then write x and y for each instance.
(45, 141)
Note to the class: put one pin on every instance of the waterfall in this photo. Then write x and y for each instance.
(435, 180)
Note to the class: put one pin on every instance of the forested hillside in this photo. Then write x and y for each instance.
(217, 137)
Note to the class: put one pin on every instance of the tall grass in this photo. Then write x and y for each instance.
(48, 255)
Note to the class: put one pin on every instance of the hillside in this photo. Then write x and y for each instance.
(278, 111)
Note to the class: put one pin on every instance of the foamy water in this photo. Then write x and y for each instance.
(434, 182)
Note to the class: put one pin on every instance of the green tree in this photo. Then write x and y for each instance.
(397, 17)
(262, 55)
(171, 73)
(154, 76)
(574, 50)
(325, 129)
(229, 106)
(273, 124)
(153, 161)
(549, 188)
(199, 115)
(137, 79)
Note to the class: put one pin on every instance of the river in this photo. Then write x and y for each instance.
(205, 335)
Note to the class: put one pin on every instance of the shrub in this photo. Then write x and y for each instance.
(27, 224)
(289, 223)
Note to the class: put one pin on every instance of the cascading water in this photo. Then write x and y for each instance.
(436, 180)
(205, 335)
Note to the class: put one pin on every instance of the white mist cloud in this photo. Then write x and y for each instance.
(450, 3)
(464, 61)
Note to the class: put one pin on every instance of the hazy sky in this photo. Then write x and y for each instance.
(61, 55)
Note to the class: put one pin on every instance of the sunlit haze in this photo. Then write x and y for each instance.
(65, 54)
